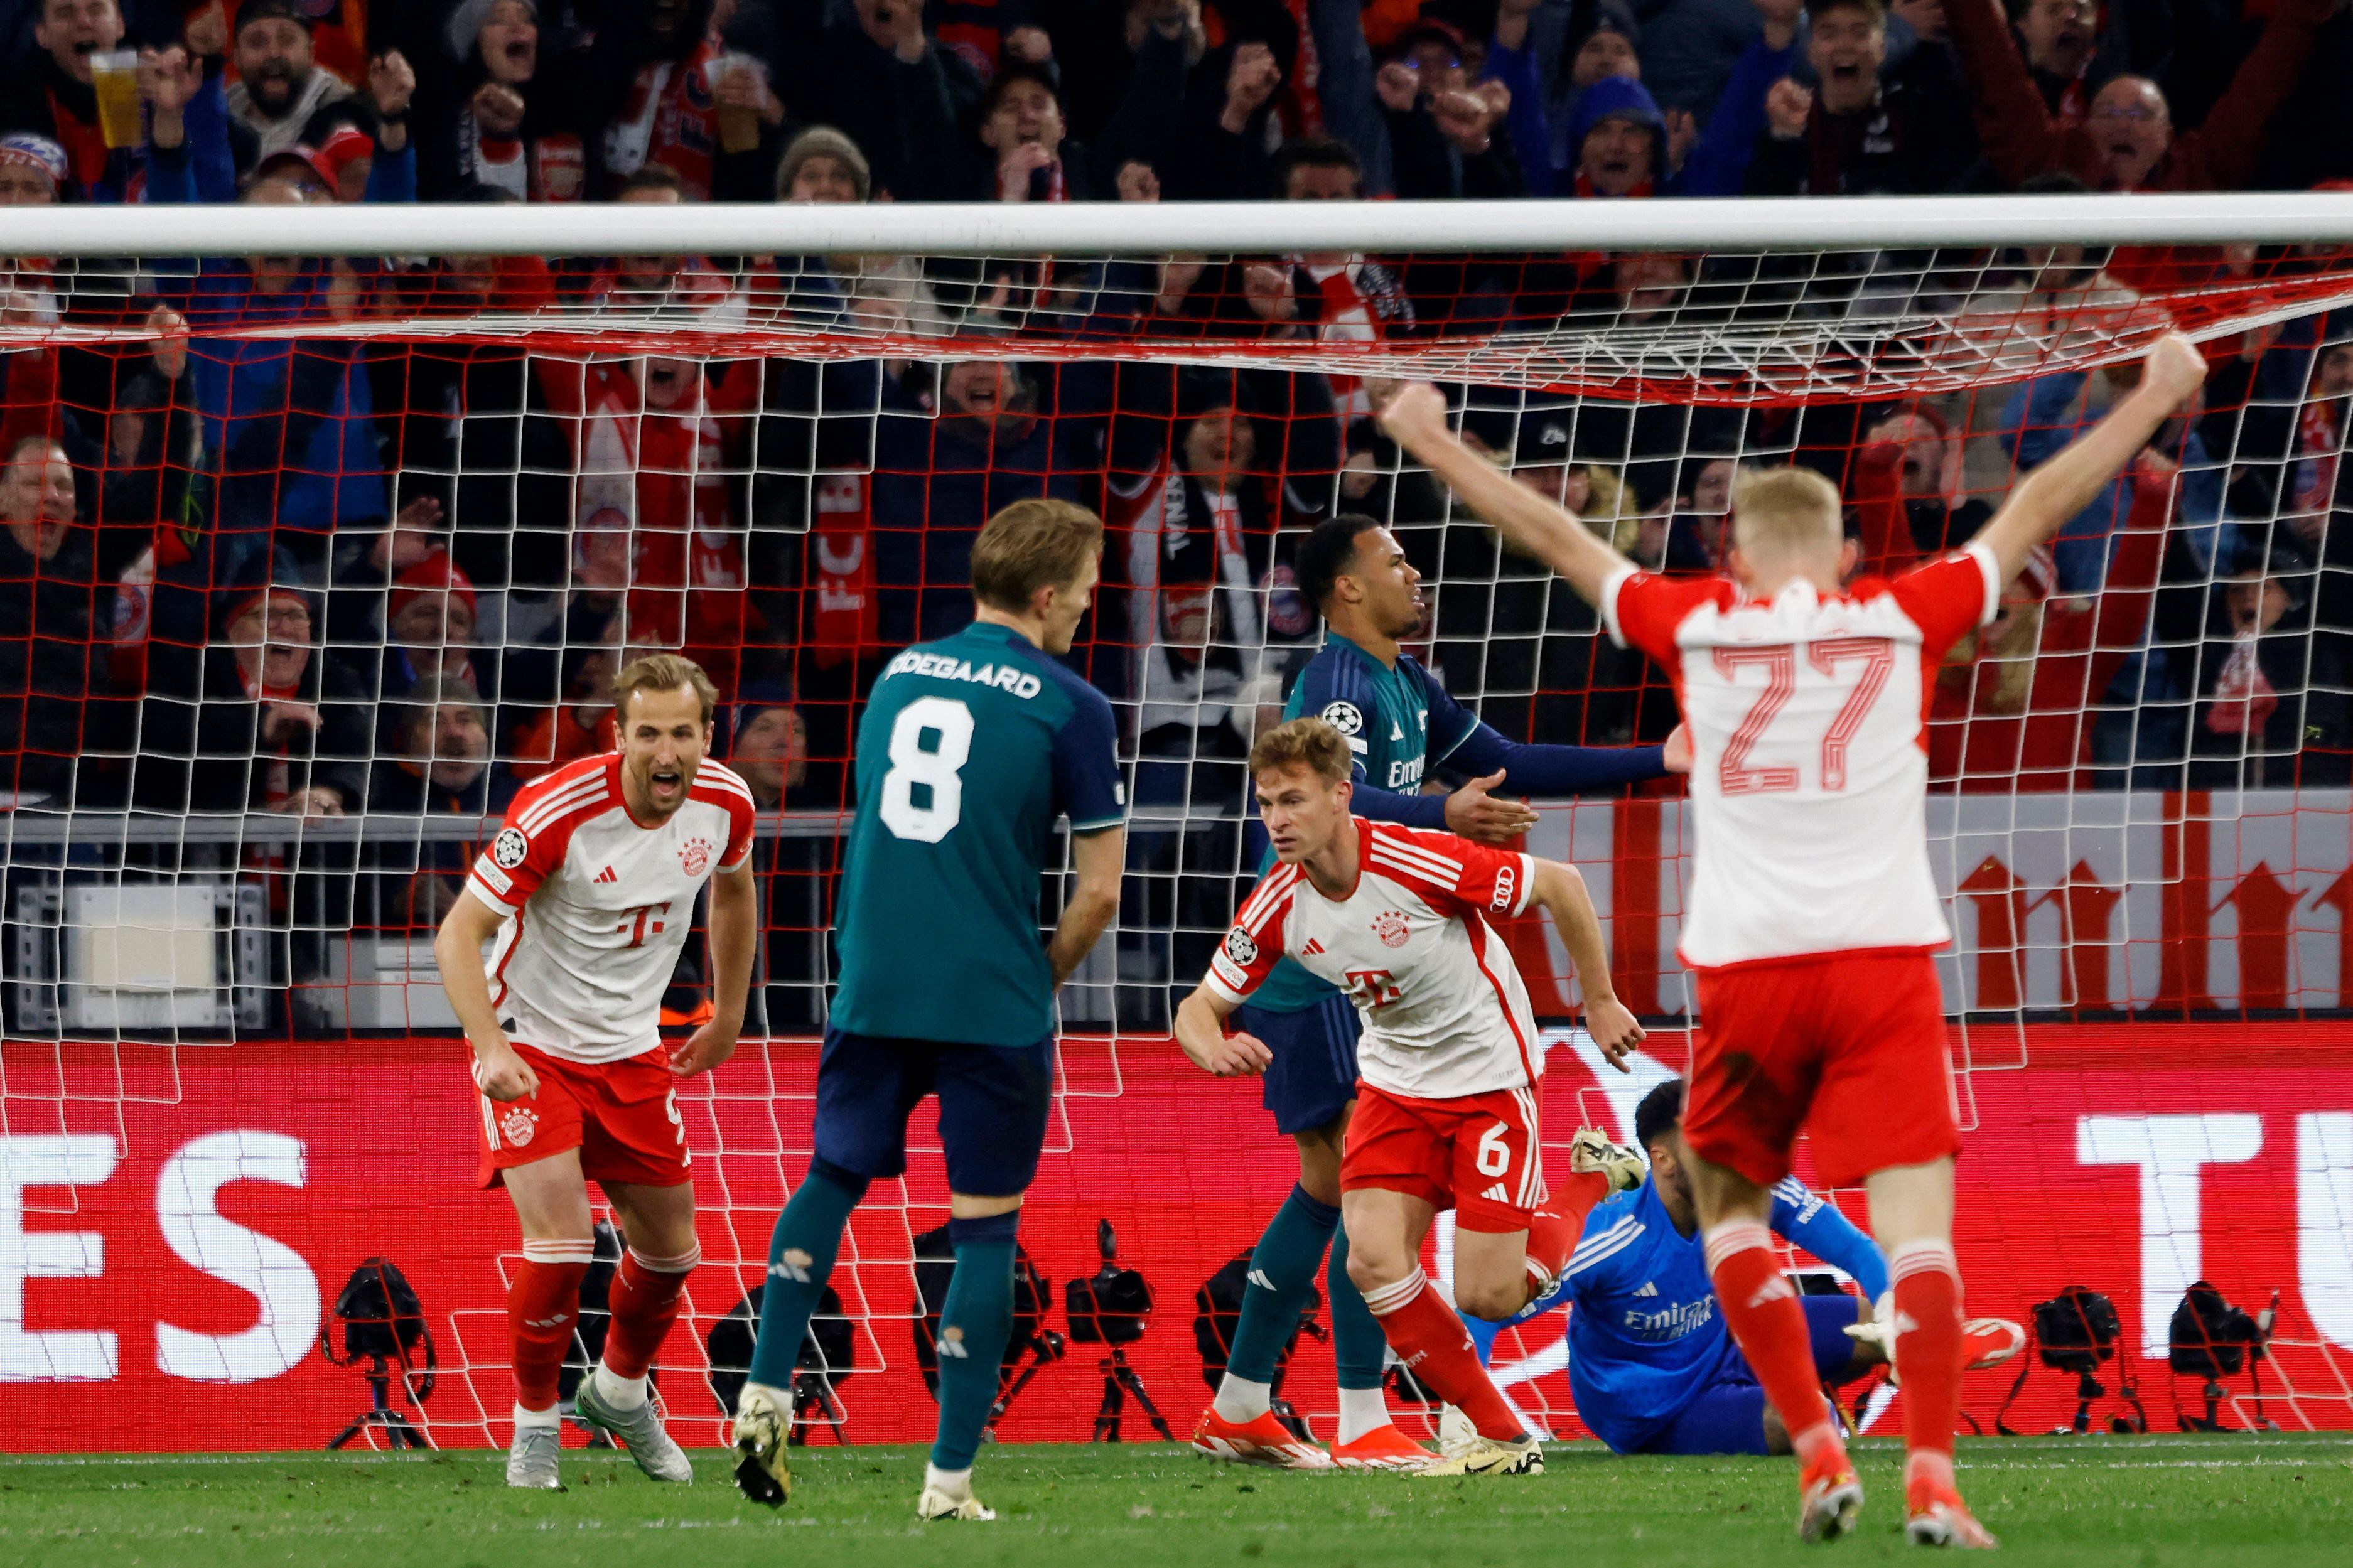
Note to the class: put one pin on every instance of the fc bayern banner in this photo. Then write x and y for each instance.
(176, 1225)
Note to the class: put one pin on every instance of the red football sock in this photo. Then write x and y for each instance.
(1928, 1355)
(644, 1298)
(1760, 1307)
(1431, 1340)
(543, 1309)
(1559, 1221)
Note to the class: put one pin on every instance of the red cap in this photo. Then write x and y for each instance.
(433, 574)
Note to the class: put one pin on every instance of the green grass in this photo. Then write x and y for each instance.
(2200, 1502)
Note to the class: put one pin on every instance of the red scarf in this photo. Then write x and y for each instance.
(2320, 436)
(685, 132)
(841, 537)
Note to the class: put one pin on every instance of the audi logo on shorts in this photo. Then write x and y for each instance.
(1506, 884)
(1240, 948)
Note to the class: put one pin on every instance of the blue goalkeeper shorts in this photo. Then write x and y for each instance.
(1727, 1416)
(1314, 1075)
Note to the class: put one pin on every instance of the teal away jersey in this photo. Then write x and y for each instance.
(969, 749)
(1387, 716)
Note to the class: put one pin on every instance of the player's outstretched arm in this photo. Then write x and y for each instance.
(1415, 419)
(1562, 893)
(734, 934)
(1201, 1032)
(457, 951)
(2056, 490)
(1098, 858)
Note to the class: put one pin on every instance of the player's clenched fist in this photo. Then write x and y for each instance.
(501, 1074)
(1417, 411)
(1613, 1028)
(2174, 366)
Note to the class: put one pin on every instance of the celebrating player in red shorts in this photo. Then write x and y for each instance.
(589, 889)
(1813, 911)
(1446, 1111)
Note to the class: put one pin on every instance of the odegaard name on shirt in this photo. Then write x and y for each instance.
(1007, 677)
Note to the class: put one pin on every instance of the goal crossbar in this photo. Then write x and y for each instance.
(1776, 225)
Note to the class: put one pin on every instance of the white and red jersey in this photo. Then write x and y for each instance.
(601, 903)
(1445, 1014)
(1810, 772)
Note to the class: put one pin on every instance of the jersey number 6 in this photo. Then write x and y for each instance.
(936, 770)
(1877, 657)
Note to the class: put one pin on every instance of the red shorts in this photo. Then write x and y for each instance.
(1476, 1155)
(1852, 1048)
(622, 1116)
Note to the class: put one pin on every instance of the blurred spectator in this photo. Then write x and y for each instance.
(2127, 140)
(260, 719)
(1905, 489)
(429, 634)
(1620, 143)
(654, 91)
(1446, 135)
(280, 82)
(769, 745)
(52, 676)
(870, 70)
(874, 293)
(1231, 106)
(437, 762)
(1602, 40)
(674, 286)
(1861, 130)
(2059, 38)
(513, 124)
(2265, 692)
(948, 458)
(52, 94)
(438, 754)
(1028, 154)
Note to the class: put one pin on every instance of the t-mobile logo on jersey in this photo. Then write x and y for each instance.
(1374, 987)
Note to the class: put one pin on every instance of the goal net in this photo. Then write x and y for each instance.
(310, 560)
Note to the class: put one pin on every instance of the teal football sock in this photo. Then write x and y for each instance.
(974, 1323)
(1281, 1278)
(801, 1251)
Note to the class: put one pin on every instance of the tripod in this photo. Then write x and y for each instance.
(813, 1396)
(1120, 1381)
(399, 1431)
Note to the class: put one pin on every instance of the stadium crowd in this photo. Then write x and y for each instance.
(326, 575)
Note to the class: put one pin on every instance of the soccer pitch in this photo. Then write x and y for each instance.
(2204, 1500)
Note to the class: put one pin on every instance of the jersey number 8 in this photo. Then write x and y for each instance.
(937, 771)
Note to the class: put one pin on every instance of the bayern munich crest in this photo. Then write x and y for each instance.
(1390, 927)
(509, 847)
(1344, 717)
(695, 854)
(1240, 948)
(519, 1125)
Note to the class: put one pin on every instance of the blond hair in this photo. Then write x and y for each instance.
(663, 672)
(1782, 512)
(1033, 544)
(1309, 743)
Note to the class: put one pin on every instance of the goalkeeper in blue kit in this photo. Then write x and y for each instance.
(1402, 727)
(1651, 1364)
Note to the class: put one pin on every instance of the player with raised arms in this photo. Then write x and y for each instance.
(1401, 726)
(589, 891)
(970, 748)
(1814, 913)
(1650, 1364)
(1449, 1059)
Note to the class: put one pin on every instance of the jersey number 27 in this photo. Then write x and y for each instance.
(939, 770)
(1877, 657)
